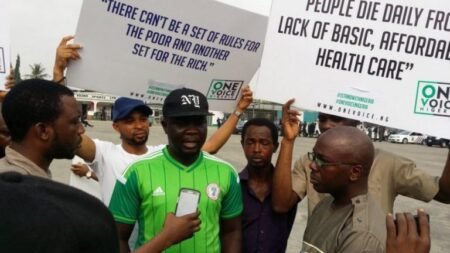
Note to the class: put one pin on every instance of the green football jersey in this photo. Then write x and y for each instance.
(151, 191)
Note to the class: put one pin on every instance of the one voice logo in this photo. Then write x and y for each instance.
(224, 89)
(433, 98)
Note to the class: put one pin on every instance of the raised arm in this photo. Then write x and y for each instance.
(283, 197)
(221, 136)
(86, 149)
(9, 83)
(64, 53)
(444, 183)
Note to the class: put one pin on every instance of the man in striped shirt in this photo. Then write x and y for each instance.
(151, 185)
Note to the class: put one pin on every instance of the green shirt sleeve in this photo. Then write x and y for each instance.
(232, 202)
(125, 200)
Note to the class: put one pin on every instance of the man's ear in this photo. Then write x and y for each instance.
(115, 125)
(43, 131)
(356, 172)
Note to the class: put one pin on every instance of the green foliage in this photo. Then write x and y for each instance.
(37, 71)
(17, 76)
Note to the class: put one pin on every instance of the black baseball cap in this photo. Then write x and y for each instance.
(185, 102)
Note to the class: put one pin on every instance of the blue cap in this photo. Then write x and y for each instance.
(125, 106)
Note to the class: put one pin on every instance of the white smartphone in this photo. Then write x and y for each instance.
(187, 201)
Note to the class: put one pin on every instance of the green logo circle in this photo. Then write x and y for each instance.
(428, 91)
(218, 85)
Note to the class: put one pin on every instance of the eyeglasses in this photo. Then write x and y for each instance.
(322, 163)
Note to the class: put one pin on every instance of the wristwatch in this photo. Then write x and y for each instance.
(237, 113)
(89, 174)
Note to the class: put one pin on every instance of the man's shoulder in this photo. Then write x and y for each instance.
(211, 159)
(387, 161)
(5, 166)
(153, 157)
(105, 146)
(383, 155)
(145, 162)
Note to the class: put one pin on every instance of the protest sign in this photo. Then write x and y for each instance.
(384, 62)
(144, 49)
(4, 43)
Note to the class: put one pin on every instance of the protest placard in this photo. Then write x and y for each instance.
(384, 62)
(144, 49)
(4, 42)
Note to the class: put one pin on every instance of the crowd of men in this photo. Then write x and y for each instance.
(350, 185)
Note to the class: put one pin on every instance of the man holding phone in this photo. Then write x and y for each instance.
(152, 185)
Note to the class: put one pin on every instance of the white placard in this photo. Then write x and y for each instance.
(4, 42)
(144, 49)
(385, 62)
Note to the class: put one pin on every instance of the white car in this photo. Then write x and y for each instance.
(407, 137)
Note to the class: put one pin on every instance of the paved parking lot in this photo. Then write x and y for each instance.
(431, 159)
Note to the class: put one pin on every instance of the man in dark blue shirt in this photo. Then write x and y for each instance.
(264, 231)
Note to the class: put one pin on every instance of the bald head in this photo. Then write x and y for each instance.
(350, 144)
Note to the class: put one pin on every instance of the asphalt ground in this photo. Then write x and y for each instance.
(430, 159)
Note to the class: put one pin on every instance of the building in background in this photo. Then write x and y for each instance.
(98, 106)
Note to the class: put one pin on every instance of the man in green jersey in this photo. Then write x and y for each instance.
(151, 185)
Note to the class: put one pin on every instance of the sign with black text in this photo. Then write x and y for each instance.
(384, 62)
(145, 49)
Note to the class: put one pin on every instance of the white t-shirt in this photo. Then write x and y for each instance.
(110, 162)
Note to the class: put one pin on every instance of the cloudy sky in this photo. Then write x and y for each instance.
(37, 26)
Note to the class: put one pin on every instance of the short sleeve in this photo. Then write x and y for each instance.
(232, 205)
(100, 149)
(125, 200)
(299, 181)
(412, 182)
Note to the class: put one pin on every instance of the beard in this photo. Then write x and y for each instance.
(135, 141)
(62, 151)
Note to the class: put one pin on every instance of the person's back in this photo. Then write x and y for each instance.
(42, 216)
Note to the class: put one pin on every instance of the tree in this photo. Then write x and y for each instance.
(17, 76)
(37, 71)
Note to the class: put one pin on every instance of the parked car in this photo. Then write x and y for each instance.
(407, 137)
(432, 140)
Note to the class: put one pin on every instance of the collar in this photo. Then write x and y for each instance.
(180, 165)
(244, 174)
(360, 199)
(15, 158)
